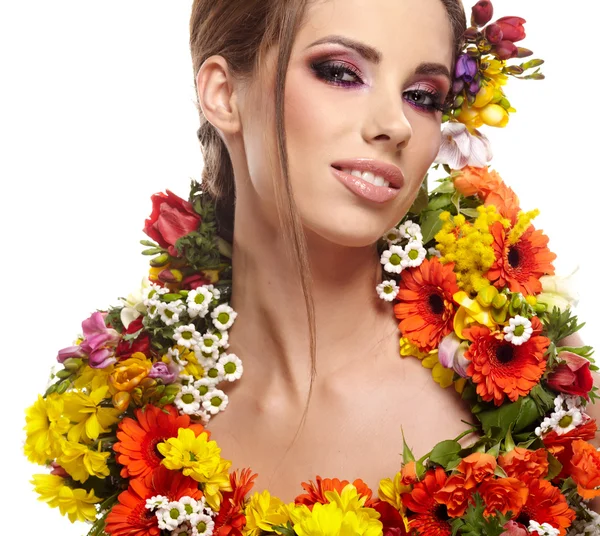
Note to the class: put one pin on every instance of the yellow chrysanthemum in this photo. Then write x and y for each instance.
(86, 411)
(391, 491)
(330, 520)
(76, 503)
(87, 376)
(45, 427)
(199, 458)
(263, 512)
(469, 246)
(81, 462)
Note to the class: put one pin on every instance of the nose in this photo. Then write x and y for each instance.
(386, 123)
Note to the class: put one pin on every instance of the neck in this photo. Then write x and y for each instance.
(272, 330)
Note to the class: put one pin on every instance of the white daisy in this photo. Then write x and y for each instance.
(203, 385)
(415, 255)
(202, 525)
(393, 236)
(198, 301)
(186, 336)
(170, 311)
(173, 355)
(545, 529)
(223, 317)
(206, 359)
(170, 516)
(158, 501)
(214, 291)
(230, 367)
(215, 401)
(518, 331)
(387, 290)
(213, 375)
(186, 379)
(208, 343)
(188, 399)
(392, 259)
(223, 337)
(411, 230)
(192, 506)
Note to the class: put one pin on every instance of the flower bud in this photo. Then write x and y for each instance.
(62, 387)
(493, 33)
(512, 28)
(506, 50)
(161, 260)
(121, 400)
(499, 301)
(482, 13)
(73, 363)
(170, 276)
(471, 34)
(62, 374)
(486, 295)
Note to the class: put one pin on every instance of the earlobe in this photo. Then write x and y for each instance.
(216, 95)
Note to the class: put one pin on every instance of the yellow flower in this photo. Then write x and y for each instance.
(88, 375)
(129, 373)
(264, 511)
(91, 419)
(470, 312)
(330, 520)
(200, 459)
(440, 374)
(193, 367)
(45, 427)
(76, 503)
(390, 491)
(81, 462)
(494, 115)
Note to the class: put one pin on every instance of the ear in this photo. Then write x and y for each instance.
(216, 95)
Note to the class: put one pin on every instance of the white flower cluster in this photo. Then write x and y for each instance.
(568, 414)
(518, 331)
(545, 529)
(185, 517)
(582, 527)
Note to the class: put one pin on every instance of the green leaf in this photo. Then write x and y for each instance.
(446, 187)
(497, 422)
(407, 454)
(554, 467)
(286, 530)
(442, 201)
(470, 212)
(582, 351)
(445, 452)
(431, 224)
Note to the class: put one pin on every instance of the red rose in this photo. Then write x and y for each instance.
(512, 28)
(141, 343)
(573, 377)
(171, 218)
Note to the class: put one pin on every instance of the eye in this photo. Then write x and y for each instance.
(425, 99)
(337, 72)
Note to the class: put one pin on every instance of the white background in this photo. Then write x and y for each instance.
(96, 114)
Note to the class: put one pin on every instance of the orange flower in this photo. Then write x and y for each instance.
(425, 514)
(426, 309)
(130, 517)
(455, 494)
(138, 438)
(525, 464)
(499, 368)
(409, 473)
(546, 504)
(585, 469)
(316, 491)
(477, 467)
(503, 494)
(561, 446)
(231, 519)
(520, 265)
(129, 373)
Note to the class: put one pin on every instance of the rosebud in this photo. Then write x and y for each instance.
(512, 28)
(482, 13)
(506, 50)
(493, 33)
(573, 376)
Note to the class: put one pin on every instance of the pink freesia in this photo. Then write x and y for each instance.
(460, 148)
(451, 354)
(70, 351)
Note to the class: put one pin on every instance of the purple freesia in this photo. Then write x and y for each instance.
(167, 373)
(99, 343)
(466, 68)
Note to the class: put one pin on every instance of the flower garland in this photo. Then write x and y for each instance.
(123, 425)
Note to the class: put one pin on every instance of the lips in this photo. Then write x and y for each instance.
(391, 173)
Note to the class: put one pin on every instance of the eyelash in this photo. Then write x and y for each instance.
(325, 69)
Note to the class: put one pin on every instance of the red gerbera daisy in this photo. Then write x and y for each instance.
(231, 519)
(500, 368)
(520, 265)
(426, 309)
(316, 491)
(546, 504)
(130, 517)
(425, 514)
(138, 439)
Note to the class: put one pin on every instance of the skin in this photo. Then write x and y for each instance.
(364, 395)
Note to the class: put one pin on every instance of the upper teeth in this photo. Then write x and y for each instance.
(367, 176)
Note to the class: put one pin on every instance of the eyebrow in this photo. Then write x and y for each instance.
(373, 55)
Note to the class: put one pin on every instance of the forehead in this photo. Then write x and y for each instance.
(401, 31)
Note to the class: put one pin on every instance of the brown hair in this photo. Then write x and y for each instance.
(242, 31)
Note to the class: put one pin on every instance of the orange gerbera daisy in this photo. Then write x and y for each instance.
(425, 514)
(546, 504)
(520, 265)
(138, 437)
(316, 491)
(561, 446)
(426, 308)
(500, 368)
(231, 519)
(130, 517)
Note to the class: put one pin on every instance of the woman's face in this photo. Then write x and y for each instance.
(362, 85)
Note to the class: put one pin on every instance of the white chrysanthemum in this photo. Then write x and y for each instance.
(208, 343)
(223, 337)
(170, 311)
(581, 527)
(392, 259)
(186, 336)
(415, 255)
(158, 501)
(186, 379)
(198, 301)
(202, 525)
(171, 516)
(434, 252)
(387, 290)
(214, 291)
(192, 506)
(544, 529)
(203, 385)
(411, 230)
(230, 367)
(215, 401)
(518, 331)
(393, 236)
(561, 421)
(223, 317)
(206, 359)
(188, 399)
(212, 374)
(152, 308)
